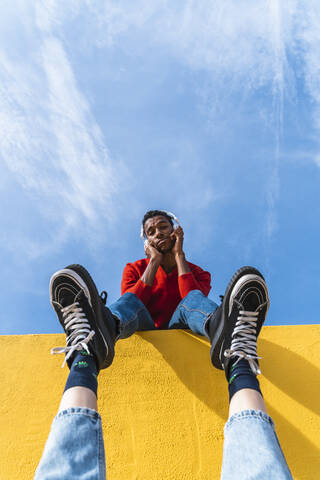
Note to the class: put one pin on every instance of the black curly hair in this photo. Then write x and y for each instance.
(155, 213)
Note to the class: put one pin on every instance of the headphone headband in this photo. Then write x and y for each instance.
(170, 214)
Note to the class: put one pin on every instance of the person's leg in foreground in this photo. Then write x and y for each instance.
(251, 448)
(75, 449)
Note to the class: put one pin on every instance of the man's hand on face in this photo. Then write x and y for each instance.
(177, 234)
(153, 253)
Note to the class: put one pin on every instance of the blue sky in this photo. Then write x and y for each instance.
(210, 110)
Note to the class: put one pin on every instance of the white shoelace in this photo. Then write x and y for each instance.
(75, 320)
(244, 340)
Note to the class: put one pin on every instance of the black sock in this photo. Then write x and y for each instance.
(83, 372)
(241, 376)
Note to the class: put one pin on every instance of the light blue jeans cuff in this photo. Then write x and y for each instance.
(251, 449)
(74, 449)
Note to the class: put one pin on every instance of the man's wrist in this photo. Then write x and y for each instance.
(180, 256)
(155, 261)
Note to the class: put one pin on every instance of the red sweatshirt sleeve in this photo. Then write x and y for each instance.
(132, 283)
(197, 279)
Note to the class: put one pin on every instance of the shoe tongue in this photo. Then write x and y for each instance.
(251, 302)
(68, 298)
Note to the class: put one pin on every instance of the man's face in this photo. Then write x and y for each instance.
(158, 230)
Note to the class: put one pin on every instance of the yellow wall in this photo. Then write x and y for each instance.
(163, 405)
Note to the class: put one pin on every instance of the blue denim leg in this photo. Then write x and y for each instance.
(132, 314)
(251, 449)
(74, 449)
(193, 312)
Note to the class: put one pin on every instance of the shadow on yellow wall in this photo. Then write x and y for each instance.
(162, 404)
(297, 376)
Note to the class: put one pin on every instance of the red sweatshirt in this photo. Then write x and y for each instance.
(167, 290)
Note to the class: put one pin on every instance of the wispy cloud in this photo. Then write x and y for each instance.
(51, 142)
(81, 156)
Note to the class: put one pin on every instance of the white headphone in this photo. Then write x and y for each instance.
(173, 218)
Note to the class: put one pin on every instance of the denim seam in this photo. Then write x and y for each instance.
(67, 413)
(132, 319)
(258, 414)
(193, 310)
(101, 459)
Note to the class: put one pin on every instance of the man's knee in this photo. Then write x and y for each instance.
(194, 294)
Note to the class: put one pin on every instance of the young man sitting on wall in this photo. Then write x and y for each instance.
(162, 291)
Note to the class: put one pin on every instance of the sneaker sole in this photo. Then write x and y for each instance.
(219, 334)
(85, 281)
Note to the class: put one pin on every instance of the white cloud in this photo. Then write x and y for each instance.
(80, 152)
(51, 142)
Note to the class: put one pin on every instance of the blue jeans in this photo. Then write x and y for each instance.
(193, 312)
(75, 448)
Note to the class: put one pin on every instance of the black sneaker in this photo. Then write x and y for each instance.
(243, 312)
(88, 323)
